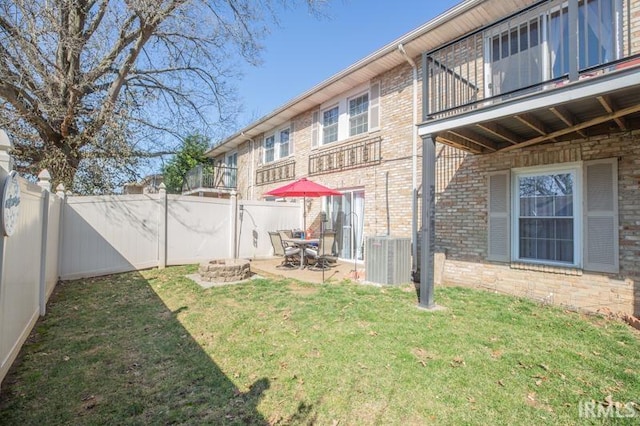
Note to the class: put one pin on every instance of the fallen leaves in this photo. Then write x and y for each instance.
(458, 362)
(422, 355)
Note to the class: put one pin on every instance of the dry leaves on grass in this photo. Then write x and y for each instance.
(458, 362)
(422, 355)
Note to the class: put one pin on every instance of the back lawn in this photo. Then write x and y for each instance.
(153, 347)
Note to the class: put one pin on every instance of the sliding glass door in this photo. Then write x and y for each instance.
(346, 218)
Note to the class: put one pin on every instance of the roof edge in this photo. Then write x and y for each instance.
(385, 50)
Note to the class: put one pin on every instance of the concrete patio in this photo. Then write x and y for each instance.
(340, 271)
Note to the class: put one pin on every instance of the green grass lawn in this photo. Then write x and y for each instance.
(155, 348)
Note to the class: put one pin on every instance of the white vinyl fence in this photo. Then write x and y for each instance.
(67, 237)
(117, 233)
(28, 268)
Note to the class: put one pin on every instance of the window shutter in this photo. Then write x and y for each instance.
(260, 153)
(499, 217)
(315, 129)
(374, 106)
(601, 245)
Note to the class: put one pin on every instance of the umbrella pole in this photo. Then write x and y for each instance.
(304, 216)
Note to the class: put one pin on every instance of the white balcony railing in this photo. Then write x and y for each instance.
(210, 177)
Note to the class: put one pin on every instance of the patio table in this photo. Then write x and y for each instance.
(302, 243)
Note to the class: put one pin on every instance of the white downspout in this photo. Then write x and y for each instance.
(414, 153)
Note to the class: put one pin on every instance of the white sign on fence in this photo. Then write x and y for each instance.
(10, 201)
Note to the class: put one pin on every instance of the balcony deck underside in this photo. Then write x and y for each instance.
(595, 105)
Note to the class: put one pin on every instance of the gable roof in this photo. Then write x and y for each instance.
(461, 19)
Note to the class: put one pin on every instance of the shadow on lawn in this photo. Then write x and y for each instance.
(109, 351)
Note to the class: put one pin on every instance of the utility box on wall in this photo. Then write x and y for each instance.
(388, 260)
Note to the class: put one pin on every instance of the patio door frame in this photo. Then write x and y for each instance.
(349, 239)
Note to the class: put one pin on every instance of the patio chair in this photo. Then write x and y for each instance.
(326, 259)
(281, 248)
(276, 242)
(286, 233)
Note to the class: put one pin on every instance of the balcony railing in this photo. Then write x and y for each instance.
(345, 157)
(538, 48)
(276, 172)
(220, 177)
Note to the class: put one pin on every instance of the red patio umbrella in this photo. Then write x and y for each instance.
(303, 188)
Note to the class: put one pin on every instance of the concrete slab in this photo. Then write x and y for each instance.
(341, 271)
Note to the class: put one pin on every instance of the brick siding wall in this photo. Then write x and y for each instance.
(387, 185)
(461, 229)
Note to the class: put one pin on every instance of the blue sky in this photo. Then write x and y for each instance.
(306, 50)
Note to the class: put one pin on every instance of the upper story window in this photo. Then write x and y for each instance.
(285, 135)
(359, 114)
(277, 145)
(330, 125)
(356, 113)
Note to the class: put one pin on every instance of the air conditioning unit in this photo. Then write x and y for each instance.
(388, 260)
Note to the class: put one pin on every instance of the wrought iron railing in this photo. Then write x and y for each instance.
(351, 156)
(276, 172)
(538, 48)
(221, 177)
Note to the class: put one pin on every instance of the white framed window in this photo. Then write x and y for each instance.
(562, 215)
(547, 217)
(277, 145)
(330, 118)
(354, 113)
(269, 149)
(285, 136)
(359, 114)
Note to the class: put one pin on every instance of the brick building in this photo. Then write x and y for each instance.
(528, 116)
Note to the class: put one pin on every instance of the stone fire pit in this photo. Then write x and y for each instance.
(224, 270)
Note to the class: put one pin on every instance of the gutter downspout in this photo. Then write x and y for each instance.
(414, 161)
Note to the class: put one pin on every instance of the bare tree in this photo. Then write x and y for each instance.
(88, 87)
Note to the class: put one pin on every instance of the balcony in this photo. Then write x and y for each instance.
(345, 157)
(554, 71)
(276, 172)
(217, 180)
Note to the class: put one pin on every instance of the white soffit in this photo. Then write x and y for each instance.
(461, 19)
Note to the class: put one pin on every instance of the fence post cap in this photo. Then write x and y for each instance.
(60, 190)
(44, 175)
(44, 179)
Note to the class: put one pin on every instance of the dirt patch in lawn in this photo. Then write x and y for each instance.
(303, 290)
